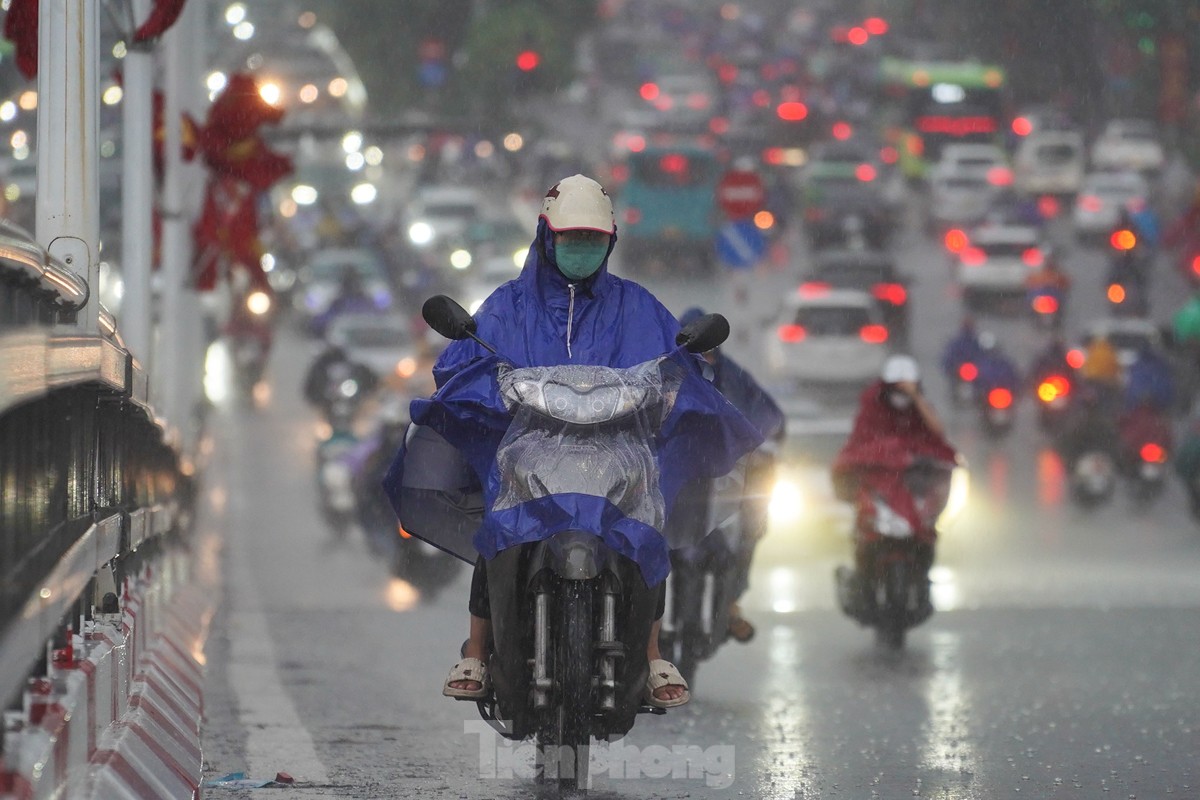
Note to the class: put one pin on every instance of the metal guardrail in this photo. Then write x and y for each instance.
(87, 474)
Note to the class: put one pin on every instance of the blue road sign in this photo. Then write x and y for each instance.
(740, 245)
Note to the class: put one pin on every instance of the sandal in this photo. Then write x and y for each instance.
(740, 628)
(469, 669)
(663, 673)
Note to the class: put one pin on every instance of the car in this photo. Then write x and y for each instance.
(873, 272)
(844, 204)
(486, 277)
(1050, 162)
(998, 260)
(382, 342)
(828, 336)
(1101, 198)
(983, 160)
(319, 281)
(958, 199)
(1128, 144)
(685, 101)
(439, 215)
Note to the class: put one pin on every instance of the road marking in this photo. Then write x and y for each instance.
(276, 739)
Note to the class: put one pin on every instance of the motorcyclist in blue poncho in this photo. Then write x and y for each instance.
(564, 308)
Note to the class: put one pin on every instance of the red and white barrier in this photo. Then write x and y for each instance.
(118, 715)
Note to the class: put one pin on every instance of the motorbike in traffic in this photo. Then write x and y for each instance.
(571, 613)
(1053, 393)
(1046, 305)
(895, 595)
(996, 410)
(248, 334)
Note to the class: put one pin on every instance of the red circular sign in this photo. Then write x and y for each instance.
(740, 193)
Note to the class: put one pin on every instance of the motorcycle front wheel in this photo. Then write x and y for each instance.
(893, 617)
(573, 674)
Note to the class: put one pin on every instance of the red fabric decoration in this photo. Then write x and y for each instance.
(21, 28)
(161, 18)
(241, 167)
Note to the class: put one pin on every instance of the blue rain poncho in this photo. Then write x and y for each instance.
(542, 320)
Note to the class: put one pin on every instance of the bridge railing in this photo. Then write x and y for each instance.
(88, 474)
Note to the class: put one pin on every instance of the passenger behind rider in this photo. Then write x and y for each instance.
(565, 308)
(745, 393)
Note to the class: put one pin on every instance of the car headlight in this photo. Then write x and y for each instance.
(519, 257)
(420, 233)
(460, 259)
(258, 303)
(406, 367)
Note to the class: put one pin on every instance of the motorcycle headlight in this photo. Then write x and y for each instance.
(348, 388)
(258, 303)
(420, 233)
(787, 501)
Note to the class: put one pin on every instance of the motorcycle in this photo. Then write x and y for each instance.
(1053, 393)
(1148, 472)
(962, 383)
(571, 616)
(1047, 307)
(996, 411)
(249, 341)
(1093, 478)
(894, 597)
(1127, 287)
(335, 481)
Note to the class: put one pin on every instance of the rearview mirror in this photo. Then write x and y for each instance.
(704, 334)
(447, 317)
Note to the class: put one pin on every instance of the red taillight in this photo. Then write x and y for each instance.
(718, 125)
(814, 289)
(842, 131)
(956, 240)
(727, 73)
(1123, 240)
(893, 293)
(1075, 359)
(1000, 398)
(1116, 293)
(1000, 176)
(857, 36)
(673, 163)
(1090, 203)
(876, 26)
(873, 334)
(761, 98)
(889, 155)
(865, 173)
(1053, 388)
(968, 371)
(1045, 304)
(649, 91)
(1196, 265)
(1033, 257)
(792, 111)
(1048, 206)
(1022, 126)
(633, 216)
(637, 144)
(791, 333)
(773, 155)
(1153, 453)
(973, 256)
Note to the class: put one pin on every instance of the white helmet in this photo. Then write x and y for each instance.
(901, 369)
(578, 203)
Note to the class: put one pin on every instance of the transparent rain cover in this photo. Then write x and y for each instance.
(589, 430)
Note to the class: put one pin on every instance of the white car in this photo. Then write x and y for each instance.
(957, 199)
(441, 214)
(998, 260)
(828, 336)
(1050, 162)
(1101, 198)
(984, 160)
(383, 343)
(319, 281)
(1128, 144)
(487, 278)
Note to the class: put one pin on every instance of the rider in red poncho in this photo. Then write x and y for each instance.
(896, 427)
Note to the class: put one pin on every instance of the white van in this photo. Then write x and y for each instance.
(1050, 162)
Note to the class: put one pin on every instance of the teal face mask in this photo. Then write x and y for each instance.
(579, 260)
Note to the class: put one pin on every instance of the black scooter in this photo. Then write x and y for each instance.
(571, 618)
